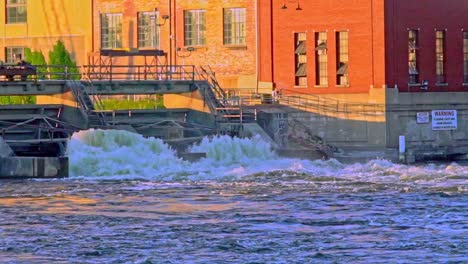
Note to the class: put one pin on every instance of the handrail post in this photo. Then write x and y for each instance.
(66, 72)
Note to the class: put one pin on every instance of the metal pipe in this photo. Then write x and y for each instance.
(170, 32)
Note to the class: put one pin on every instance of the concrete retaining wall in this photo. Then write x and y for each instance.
(285, 123)
(402, 110)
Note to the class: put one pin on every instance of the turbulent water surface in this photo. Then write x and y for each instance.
(130, 200)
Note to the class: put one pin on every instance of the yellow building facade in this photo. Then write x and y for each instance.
(39, 24)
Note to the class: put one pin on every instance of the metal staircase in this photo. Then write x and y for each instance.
(229, 116)
(79, 88)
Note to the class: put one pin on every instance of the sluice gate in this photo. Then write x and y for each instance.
(37, 134)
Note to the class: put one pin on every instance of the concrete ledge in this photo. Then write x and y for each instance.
(33, 167)
(192, 157)
(309, 154)
(5, 150)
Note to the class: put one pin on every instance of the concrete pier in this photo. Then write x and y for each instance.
(33, 167)
(5, 150)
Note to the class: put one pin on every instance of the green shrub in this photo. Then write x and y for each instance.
(34, 57)
(8, 100)
(60, 56)
(123, 104)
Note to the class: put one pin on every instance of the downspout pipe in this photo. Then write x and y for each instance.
(256, 47)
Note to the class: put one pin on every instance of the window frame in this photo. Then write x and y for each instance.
(440, 53)
(234, 26)
(114, 28)
(10, 59)
(465, 57)
(413, 57)
(300, 59)
(195, 33)
(342, 58)
(149, 35)
(16, 18)
(321, 58)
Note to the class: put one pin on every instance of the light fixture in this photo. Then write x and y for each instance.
(164, 17)
(298, 8)
(189, 49)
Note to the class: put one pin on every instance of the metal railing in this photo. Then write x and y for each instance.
(310, 102)
(139, 72)
(207, 74)
(58, 72)
(114, 72)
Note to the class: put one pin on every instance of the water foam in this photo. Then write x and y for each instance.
(121, 154)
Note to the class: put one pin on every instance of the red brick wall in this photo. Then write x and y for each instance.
(129, 10)
(265, 40)
(234, 66)
(364, 21)
(427, 16)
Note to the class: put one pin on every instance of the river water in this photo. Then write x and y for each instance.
(130, 200)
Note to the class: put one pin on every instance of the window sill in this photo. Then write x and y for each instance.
(442, 84)
(414, 84)
(196, 48)
(236, 47)
(16, 23)
(342, 85)
(320, 86)
(301, 86)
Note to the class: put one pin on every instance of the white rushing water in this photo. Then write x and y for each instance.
(112, 154)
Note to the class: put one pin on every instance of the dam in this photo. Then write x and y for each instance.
(34, 136)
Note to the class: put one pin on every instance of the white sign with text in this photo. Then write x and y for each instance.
(444, 120)
(422, 117)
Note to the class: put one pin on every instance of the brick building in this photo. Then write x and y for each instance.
(38, 25)
(334, 47)
(378, 69)
(218, 33)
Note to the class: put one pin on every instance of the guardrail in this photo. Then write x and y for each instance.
(311, 102)
(100, 72)
(57, 72)
(139, 72)
(308, 102)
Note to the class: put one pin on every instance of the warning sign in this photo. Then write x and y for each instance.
(444, 120)
(422, 117)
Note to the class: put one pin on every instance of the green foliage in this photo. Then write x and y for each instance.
(123, 104)
(8, 100)
(60, 62)
(34, 57)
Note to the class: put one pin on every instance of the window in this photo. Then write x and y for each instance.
(440, 56)
(300, 59)
(234, 26)
(194, 28)
(148, 30)
(14, 54)
(111, 31)
(413, 57)
(16, 11)
(321, 70)
(465, 57)
(342, 58)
